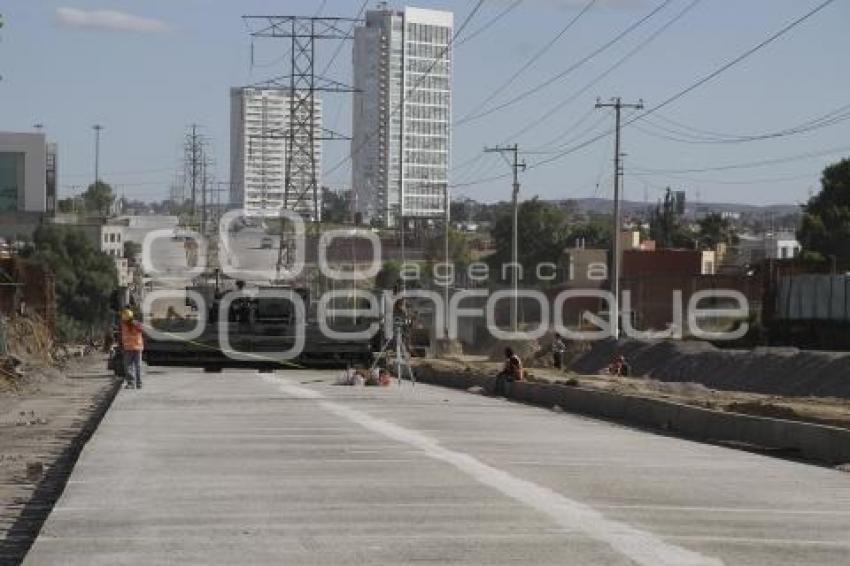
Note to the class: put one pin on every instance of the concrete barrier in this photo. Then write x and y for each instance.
(826, 444)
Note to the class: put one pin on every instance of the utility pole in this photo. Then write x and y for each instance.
(515, 165)
(618, 105)
(97, 129)
(446, 242)
(194, 166)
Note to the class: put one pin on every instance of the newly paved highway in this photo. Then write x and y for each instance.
(247, 468)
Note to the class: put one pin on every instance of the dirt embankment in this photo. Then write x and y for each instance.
(834, 411)
(787, 372)
(46, 416)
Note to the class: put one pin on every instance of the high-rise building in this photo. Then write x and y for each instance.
(259, 137)
(401, 114)
(27, 173)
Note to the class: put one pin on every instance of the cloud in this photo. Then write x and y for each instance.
(109, 20)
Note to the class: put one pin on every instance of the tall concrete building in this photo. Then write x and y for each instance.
(259, 136)
(27, 173)
(401, 112)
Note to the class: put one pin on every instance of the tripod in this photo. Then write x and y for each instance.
(401, 351)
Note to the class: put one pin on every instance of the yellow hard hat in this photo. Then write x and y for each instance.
(126, 315)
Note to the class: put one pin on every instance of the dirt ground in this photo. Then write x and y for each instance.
(45, 419)
(832, 411)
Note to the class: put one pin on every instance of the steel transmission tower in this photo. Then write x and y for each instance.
(301, 183)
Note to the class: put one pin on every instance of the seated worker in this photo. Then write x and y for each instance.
(619, 367)
(511, 371)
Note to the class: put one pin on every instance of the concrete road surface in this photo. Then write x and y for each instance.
(247, 468)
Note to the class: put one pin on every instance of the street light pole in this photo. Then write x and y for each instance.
(97, 128)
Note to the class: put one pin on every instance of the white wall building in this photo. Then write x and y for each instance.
(401, 114)
(259, 132)
(781, 245)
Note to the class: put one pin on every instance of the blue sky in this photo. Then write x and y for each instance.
(146, 70)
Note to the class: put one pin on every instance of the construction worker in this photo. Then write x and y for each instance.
(132, 344)
(512, 371)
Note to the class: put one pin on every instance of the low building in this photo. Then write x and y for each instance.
(639, 263)
(585, 268)
(780, 245)
(107, 235)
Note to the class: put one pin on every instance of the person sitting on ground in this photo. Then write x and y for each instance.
(625, 368)
(511, 371)
(619, 367)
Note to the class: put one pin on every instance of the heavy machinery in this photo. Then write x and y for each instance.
(255, 331)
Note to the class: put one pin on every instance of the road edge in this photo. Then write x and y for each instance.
(27, 526)
(791, 439)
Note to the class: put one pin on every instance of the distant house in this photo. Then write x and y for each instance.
(779, 245)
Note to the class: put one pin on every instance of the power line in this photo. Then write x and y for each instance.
(511, 7)
(639, 47)
(705, 137)
(529, 62)
(737, 59)
(350, 34)
(565, 72)
(693, 86)
(679, 178)
(581, 91)
(751, 164)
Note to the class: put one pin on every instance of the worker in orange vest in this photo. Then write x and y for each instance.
(132, 344)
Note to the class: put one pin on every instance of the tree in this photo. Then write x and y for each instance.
(132, 249)
(665, 225)
(84, 276)
(389, 275)
(459, 251)
(70, 205)
(99, 198)
(714, 230)
(335, 206)
(595, 233)
(543, 230)
(825, 229)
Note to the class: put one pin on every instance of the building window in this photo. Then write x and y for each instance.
(11, 180)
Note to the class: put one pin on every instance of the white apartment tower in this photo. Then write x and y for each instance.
(402, 114)
(259, 136)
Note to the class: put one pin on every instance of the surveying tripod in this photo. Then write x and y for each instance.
(402, 354)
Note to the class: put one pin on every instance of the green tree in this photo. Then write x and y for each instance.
(665, 225)
(459, 250)
(84, 276)
(596, 233)
(70, 205)
(335, 209)
(99, 198)
(714, 230)
(542, 234)
(825, 229)
(132, 249)
(389, 275)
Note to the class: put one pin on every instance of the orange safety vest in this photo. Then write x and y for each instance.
(131, 336)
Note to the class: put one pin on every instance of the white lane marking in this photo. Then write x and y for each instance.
(642, 547)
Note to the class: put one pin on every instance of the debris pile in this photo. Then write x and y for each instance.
(360, 377)
(25, 343)
(774, 371)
